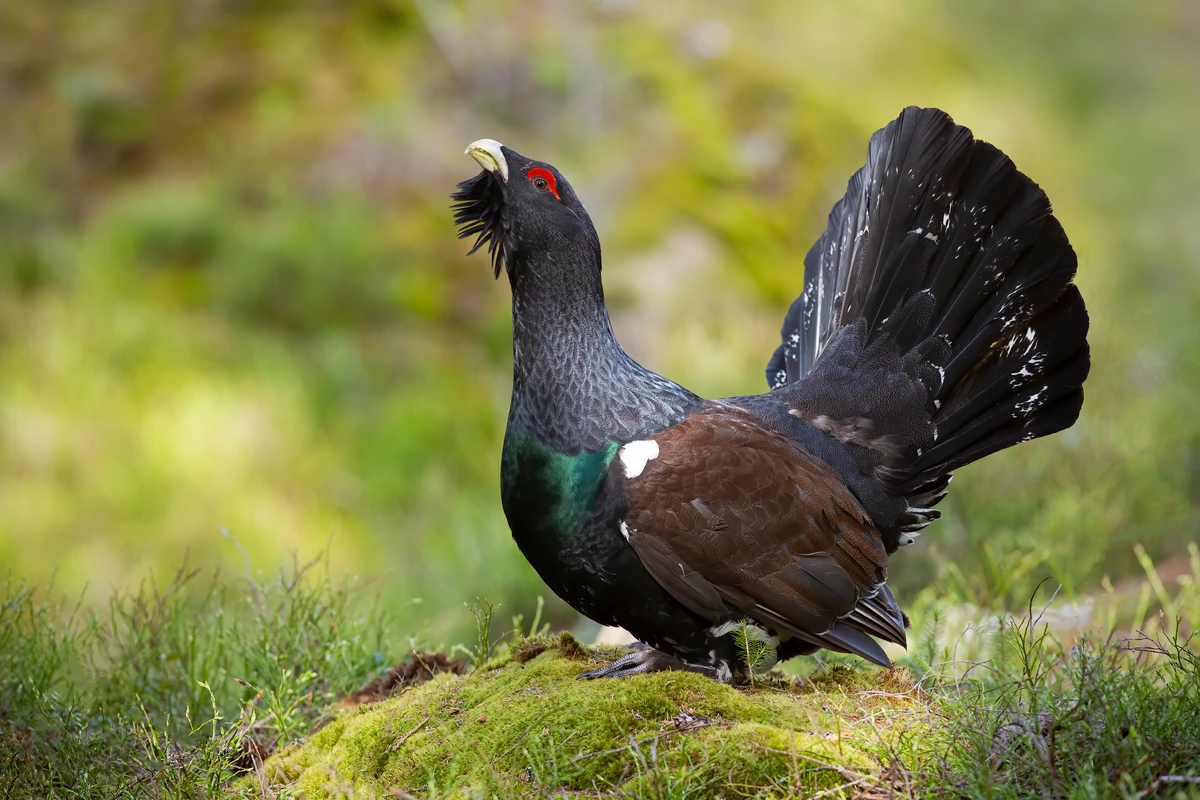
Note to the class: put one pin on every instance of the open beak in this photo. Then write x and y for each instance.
(487, 152)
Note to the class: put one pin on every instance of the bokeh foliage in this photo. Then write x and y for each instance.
(231, 298)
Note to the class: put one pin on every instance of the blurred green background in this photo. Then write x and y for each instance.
(231, 298)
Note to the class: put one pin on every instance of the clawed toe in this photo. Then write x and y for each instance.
(635, 663)
(645, 660)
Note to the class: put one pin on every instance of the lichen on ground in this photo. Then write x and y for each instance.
(531, 728)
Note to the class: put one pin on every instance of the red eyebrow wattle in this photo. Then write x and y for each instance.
(548, 176)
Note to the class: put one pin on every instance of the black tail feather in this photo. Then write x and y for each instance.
(938, 305)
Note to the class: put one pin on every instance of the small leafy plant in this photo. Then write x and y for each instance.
(483, 611)
(755, 652)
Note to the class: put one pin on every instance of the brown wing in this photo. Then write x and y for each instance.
(728, 513)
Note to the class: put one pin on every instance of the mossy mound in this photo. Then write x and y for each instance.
(528, 728)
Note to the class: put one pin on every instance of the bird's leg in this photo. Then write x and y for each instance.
(646, 659)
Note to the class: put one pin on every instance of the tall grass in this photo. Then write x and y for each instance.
(1063, 717)
(175, 687)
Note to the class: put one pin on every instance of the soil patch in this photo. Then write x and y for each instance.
(418, 670)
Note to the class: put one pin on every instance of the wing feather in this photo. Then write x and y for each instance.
(734, 519)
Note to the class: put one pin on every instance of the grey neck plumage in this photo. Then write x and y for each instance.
(574, 388)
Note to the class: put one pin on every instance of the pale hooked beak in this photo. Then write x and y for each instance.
(487, 152)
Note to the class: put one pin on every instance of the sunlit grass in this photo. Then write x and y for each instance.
(162, 692)
(177, 688)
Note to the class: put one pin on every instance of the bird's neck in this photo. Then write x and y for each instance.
(560, 323)
(574, 387)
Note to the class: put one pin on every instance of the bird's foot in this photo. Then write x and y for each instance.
(645, 660)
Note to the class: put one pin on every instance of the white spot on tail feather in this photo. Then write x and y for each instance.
(1031, 403)
(635, 455)
(625, 530)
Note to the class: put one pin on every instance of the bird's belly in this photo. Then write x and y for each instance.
(598, 574)
(549, 499)
(582, 568)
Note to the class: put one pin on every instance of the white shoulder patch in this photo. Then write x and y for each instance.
(635, 455)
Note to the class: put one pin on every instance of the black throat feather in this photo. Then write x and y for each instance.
(480, 211)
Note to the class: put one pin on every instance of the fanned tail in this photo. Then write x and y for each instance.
(938, 322)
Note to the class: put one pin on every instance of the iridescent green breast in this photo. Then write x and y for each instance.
(549, 494)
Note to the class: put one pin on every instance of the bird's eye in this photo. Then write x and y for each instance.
(543, 180)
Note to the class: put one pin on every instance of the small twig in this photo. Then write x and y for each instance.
(400, 742)
(877, 693)
(1163, 780)
(848, 774)
(514, 747)
(655, 738)
(836, 789)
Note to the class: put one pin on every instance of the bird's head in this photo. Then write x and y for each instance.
(517, 206)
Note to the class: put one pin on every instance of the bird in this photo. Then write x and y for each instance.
(938, 323)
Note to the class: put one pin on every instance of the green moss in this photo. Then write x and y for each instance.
(522, 726)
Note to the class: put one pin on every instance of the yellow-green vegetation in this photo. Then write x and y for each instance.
(180, 690)
(533, 726)
(231, 296)
(231, 301)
